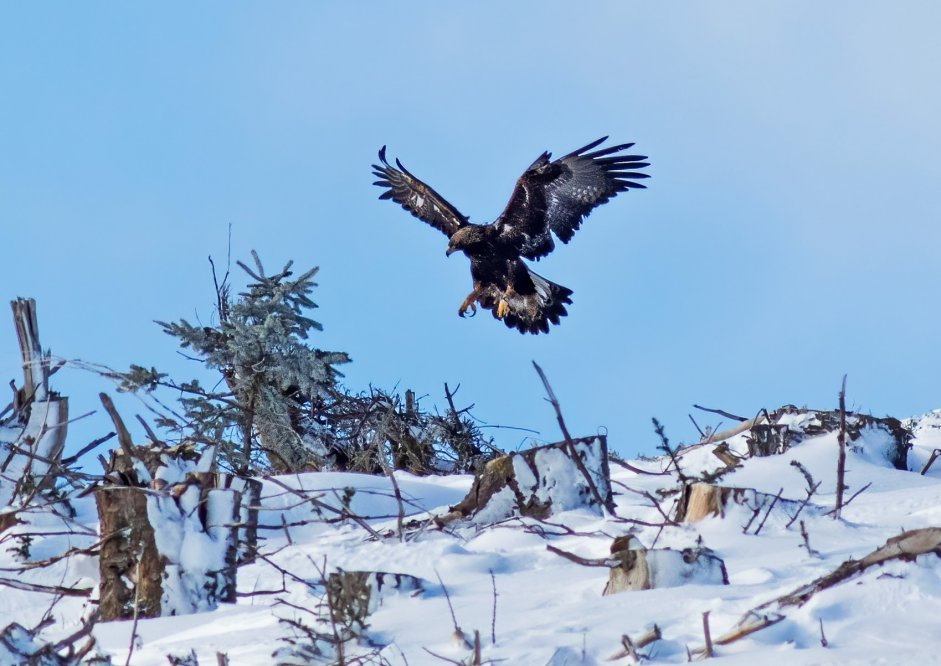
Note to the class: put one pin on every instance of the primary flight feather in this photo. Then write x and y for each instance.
(551, 197)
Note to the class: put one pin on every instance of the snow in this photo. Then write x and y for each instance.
(549, 610)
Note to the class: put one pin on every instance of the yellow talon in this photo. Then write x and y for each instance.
(503, 309)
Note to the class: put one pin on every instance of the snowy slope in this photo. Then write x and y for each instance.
(550, 610)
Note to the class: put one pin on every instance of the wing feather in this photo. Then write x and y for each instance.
(416, 197)
(556, 196)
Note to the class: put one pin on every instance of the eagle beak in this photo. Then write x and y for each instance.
(449, 252)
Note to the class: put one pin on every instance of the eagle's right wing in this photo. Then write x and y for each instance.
(416, 197)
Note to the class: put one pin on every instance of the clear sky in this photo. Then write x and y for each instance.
(789, 233)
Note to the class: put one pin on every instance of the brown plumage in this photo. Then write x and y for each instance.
(551, 197)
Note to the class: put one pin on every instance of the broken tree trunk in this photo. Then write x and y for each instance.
(32, 438)
(538, 482)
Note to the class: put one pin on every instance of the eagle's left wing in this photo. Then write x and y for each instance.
(416, 197)
(557, 195)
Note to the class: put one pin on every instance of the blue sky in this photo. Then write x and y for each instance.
(789, 233)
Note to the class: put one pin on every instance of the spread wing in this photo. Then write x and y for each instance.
(416, 197)
(557, 195)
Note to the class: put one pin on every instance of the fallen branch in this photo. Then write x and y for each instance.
(47, 589)
(607, 562)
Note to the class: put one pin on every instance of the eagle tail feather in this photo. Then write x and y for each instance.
(533, 312)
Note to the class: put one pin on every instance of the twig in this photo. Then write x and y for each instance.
(447, 598)
(806, 537)
(573, 452)
(754, 515)
(390, 472)
(773, 502)
(934, 456)
(48, 589)
(665, 446)
(720, 412)
(823, 637)
(748, 629)
(632, 468)
(493, 621)
(852, 497)
(706, 634)
(806, 500)
(137, 587)
(65, 462)
(146, 426)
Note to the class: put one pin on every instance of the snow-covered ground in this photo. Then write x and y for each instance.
(550, 610)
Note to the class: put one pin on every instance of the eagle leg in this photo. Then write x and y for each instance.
(468, 304)
(503, 308)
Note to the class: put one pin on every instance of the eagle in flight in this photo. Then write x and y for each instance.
(552, 196)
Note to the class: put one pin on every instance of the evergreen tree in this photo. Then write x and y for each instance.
(271, 375)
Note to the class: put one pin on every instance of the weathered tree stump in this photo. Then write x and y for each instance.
(130, 566)
(168, 552)
(174, 531)
(699, 501)
(643, 569)
(538, 482)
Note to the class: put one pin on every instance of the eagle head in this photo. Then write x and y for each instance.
(467, 238)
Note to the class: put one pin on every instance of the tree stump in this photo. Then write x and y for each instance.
(130, 566)
(174, 531)
(642, 569)
(699, 501)
(538, 482)
(168, 552)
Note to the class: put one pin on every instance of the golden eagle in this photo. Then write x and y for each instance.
(551, 196)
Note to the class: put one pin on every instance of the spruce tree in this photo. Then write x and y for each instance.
(272, 377)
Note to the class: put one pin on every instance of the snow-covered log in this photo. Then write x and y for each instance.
(538, 482)
(642, 569)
